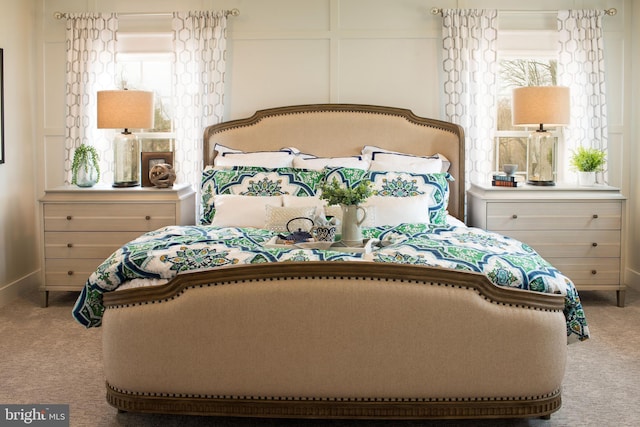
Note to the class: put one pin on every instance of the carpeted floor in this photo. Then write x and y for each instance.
(47, 358)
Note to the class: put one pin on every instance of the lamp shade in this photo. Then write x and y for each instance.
(541, 105)
(125, 109)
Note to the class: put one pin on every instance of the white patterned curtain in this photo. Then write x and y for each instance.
(581, 68)
(470, 62)
(91, 66)
(200, 54)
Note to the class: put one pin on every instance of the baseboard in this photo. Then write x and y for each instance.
(20, 287)
(632, 279)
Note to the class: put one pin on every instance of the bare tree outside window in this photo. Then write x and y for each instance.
(511, 141)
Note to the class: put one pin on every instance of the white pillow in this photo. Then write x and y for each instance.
(369, 150)
(221, 149)
(319, 163)
(267, 159)
(277, 217)
(242, 211)
(405, 163)
(397, 210)
(228, 157)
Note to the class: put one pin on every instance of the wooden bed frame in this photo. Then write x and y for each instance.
(336, 340)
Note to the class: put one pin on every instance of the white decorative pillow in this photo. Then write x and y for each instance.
(319, 163)
(277, 217)
(405, 163)
(301, 201)
(242, 211)
(397, 210)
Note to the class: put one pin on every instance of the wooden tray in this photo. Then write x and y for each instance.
(367, 246)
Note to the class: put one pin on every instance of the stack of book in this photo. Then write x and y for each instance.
(504, 181)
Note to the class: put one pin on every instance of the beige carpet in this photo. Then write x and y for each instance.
(47, 358)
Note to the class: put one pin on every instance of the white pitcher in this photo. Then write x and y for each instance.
(351, 233)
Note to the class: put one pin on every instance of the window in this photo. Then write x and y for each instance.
(145, 62)
(527, 49)
(152, 73)
(511, 141)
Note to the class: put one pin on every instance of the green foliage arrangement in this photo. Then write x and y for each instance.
(586, 159)
(336, 194)
(84, 155)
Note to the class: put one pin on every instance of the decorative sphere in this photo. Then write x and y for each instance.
(162, 175)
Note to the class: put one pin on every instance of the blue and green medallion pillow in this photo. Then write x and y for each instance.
(350, 177)
(401, 184)
(404, 184)
(255, 181)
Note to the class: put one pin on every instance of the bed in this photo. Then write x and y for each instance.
(437, 320)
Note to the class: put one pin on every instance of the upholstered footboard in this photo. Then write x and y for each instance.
(345, 339)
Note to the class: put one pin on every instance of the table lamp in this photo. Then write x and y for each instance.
(125, 109)
(539, 106)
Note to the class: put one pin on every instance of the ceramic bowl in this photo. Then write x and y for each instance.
(510, 168)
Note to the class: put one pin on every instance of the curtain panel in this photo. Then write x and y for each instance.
(199, 61)
(91, 66)
(581, 68)
(470, 63)
(198, 83)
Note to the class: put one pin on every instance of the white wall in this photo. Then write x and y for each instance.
(19, 259)
(633, 260)
(384, 52)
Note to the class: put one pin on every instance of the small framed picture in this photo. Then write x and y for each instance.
(150, 159)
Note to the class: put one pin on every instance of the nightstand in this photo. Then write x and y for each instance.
(579, 230)
(81, 227)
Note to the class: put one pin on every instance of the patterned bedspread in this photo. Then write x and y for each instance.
(164, 253)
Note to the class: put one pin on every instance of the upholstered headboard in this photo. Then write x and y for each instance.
(332, 130)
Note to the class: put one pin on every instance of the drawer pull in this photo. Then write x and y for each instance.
(147, 217)
(69, 217)
(594, 244)
(70, 273)
(594, 272)
(514, 216)
(69, 245)
(595, 216)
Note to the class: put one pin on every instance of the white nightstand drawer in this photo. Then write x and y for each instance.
(71, 273)
(60, 244)
(554, 215)
(558, 243)
(589, 271)
(108, 217)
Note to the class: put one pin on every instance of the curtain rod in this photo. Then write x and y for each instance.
(61, 15)
(610, 12)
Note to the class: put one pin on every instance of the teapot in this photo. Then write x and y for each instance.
(299, 235)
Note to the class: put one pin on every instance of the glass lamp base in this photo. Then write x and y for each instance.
(541, 158)
(125, 184)
(541, 183)
(126, 151)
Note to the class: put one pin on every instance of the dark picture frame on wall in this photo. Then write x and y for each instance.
(152, 158)
(1, 105)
